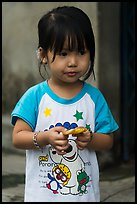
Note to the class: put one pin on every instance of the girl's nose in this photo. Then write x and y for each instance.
(72, 61)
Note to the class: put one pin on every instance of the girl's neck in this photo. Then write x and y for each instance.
(65, 90)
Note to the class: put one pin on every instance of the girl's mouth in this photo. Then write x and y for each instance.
(71, 74)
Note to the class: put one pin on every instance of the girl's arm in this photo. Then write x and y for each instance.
(98, 141)
(101, 141)
(22, 137)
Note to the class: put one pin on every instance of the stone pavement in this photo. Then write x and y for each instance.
(119, 187)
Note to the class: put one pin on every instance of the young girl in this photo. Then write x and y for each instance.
(61, 167)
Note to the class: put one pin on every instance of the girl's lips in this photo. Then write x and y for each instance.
(71, 74)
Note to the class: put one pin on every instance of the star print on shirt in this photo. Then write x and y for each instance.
(78, 115)
(47, 112)
(88, 126)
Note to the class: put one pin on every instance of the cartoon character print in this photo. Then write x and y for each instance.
(53, 184)
(83, 179)
(61, 175)
(74, 164)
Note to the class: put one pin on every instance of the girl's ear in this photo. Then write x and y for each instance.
(41, 55)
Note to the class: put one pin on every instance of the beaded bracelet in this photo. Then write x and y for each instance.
(35, 141)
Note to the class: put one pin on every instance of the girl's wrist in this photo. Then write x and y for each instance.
(90, 140)
(40, 140)
(35, 141)
(91, 135)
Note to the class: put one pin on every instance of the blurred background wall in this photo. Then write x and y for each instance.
(113, 25)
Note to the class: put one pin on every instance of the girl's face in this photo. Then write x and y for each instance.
(68, 66)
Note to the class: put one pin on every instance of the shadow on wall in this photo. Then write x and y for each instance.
(13, 86)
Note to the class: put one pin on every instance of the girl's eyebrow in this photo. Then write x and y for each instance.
(65, 49)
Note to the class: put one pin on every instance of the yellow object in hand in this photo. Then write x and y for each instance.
(75, 131)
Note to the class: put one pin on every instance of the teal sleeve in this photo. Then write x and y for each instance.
(26, 108)
(104, 120)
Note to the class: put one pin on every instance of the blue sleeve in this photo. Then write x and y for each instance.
(104, 120)
(26, 108)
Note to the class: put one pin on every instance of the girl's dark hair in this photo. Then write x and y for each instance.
(70, 22)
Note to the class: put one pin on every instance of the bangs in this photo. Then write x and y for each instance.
(70, 38)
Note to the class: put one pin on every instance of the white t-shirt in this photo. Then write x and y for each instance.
(73, 177)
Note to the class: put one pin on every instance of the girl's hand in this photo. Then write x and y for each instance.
(57, 139)
(83, 139)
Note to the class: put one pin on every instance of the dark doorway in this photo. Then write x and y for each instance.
(128, 79)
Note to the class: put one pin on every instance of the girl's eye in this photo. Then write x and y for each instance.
(82, 52)
(63, 53)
